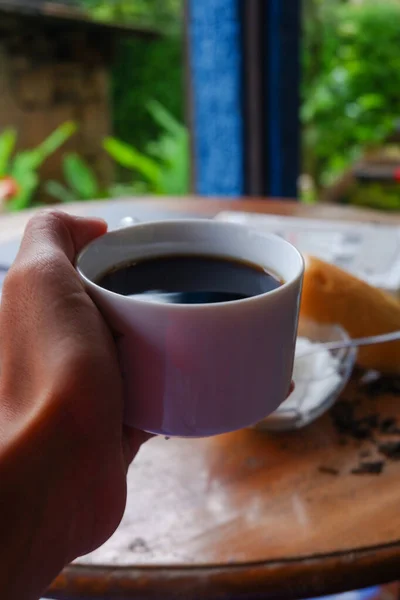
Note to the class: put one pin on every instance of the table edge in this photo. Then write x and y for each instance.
(313, 575)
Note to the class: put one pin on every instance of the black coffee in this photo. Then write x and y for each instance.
(184, 279)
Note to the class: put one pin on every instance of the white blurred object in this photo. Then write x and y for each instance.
(128, 222)
(319, 375)
(369, 251)
(315, 375)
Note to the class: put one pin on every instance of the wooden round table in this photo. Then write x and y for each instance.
(248, 515)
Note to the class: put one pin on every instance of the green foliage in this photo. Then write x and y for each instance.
(7, 144)
(159, 14)
(378, 196)
(82, 183)
(164, 168)
(145, 70)
(23, 166)
(127, 156)
(59, 192)
(80, 177)
(351, 81)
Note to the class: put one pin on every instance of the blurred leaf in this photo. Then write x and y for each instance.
(24, 161)
(59, 192)
(8, 139)
(127, 156)
(371, 101)
(120, 190)
(378, 196)
(28, 182)
(23, 166)
(164, 14)
(33, 159)
(166, 166)
(80, 178)
(53, 142)
(165, 119)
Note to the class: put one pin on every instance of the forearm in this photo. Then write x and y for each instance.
(34, 511)
(63, 450)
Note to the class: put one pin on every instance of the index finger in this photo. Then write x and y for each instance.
(55, 231)
(43, 270)
(43, 297)
(56, 351)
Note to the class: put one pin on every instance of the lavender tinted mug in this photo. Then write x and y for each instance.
(195, 370)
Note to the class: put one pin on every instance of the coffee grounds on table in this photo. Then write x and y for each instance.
(369, 468)
(369, 428)
(382, 386)
(390, 449)
(389, 427)
(346, 423)
(328, 470)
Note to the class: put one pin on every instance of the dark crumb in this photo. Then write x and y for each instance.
(363, 428)
(343, 416)
(382, 386)
(346, 423)
(361, 432)
(389, 426)
(139, 545)
(369, 468)
(343, 442)
(371, 421)
(390, 449)
(365, 453)
(358, 400)
(328, 470)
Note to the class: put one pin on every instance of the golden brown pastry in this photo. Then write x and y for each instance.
(331, 295)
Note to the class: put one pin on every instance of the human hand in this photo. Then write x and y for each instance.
(63, 450)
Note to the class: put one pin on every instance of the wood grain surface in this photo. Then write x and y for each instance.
(251, 514)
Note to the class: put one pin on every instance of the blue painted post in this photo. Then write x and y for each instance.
(244, 75)
(215, 65)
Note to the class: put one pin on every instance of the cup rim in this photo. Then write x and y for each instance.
(204, 306)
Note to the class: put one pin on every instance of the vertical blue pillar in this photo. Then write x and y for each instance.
(244, 77)
(215, 65)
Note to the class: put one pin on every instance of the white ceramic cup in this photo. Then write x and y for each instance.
(195, 370)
